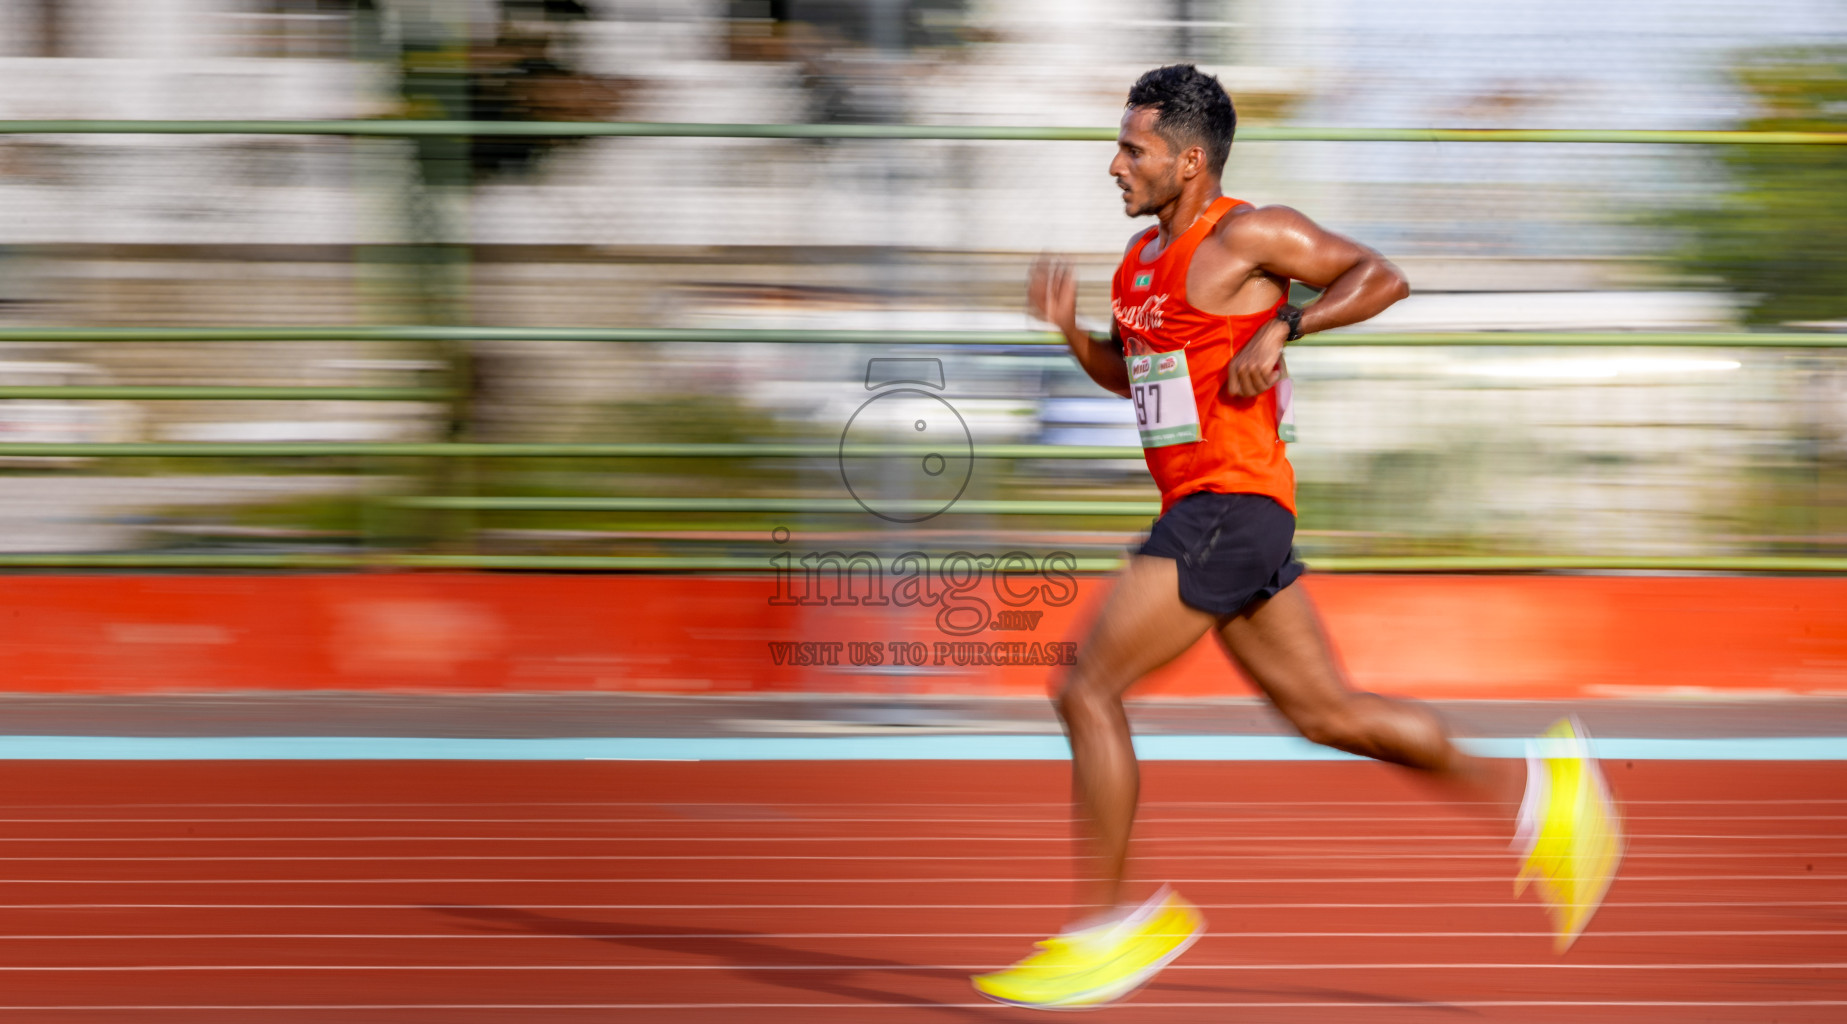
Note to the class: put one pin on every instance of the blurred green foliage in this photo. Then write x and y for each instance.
(1779, 236)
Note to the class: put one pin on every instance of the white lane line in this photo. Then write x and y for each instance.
(882, 968)
(1061, 907)
(909, 840)
(1751, 802)
(942, 880)
(1371, 1004)
(877, 858)
(893, 804)
(794, 820)
(702, 936)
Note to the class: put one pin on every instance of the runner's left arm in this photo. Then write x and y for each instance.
(1359, 284)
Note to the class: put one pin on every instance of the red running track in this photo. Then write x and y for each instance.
(463, 892)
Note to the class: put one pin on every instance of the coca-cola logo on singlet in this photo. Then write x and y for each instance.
(1146, 316)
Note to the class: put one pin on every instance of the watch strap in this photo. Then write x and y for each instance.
(1291, 315)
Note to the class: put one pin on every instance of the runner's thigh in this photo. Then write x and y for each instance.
(1143, 625)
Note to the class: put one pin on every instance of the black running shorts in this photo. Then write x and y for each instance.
(1231, 548)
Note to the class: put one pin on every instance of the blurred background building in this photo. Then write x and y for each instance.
(1675, 452)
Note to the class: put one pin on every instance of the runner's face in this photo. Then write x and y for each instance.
(1146, 168)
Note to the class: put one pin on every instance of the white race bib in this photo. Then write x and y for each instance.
(1162, 391)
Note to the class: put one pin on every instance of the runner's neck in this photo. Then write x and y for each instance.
(1185, 211)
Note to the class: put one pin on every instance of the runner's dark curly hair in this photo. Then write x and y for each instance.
(1192, 110)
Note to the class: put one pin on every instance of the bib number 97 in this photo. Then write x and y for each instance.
(1162, 390)
(1147, 398)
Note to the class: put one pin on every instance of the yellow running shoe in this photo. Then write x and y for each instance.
(1099, 965)
(1569, 828)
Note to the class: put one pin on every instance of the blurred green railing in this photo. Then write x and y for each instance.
(971, 133)
(192, 392)
(761, 564)
(462, 334)
(728, 335)
(479, 450)
(967, 506)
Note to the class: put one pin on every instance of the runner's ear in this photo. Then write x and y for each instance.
(1192, 161)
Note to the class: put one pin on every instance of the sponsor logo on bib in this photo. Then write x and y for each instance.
(1139, 367)
(1168, 364)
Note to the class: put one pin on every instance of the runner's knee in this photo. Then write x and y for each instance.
(1084, 697)
(1326, 730)
(1333, 726)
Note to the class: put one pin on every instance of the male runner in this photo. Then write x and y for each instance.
(1200, 321)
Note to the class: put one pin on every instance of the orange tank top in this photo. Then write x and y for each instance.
(1238, 450)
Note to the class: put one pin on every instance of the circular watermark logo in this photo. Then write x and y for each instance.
(906, 455)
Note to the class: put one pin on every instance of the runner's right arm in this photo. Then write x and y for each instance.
(1051, 293)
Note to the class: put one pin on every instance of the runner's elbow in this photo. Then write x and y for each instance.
(1397, 286)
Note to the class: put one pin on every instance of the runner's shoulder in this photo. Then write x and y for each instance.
(1248, 218)
(1247, 224)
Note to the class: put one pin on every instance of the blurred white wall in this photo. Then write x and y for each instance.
(1637, 63)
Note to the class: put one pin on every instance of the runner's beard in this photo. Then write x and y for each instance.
(1164, 192)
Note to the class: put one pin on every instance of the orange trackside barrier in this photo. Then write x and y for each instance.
(1527, 637)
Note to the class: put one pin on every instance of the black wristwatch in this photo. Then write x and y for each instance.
(1292, 316)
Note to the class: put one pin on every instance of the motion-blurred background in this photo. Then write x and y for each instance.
(1677, 452)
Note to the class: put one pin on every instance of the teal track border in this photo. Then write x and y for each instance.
(832, 748)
